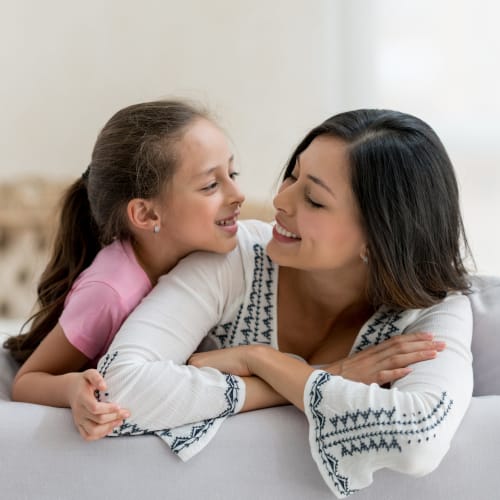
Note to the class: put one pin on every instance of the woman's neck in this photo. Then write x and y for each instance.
(328, 294)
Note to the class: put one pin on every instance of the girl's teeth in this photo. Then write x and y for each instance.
(228, 222)
(284, 232)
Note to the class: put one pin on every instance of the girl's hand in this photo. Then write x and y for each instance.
(232, 360)
(388, 361)
(92, 418)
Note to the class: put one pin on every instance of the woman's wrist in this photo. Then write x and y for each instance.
(284, 373)
(258, 356)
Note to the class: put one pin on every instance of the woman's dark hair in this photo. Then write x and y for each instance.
(134, 156)
(407, 193)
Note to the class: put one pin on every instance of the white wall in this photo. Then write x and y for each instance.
(441, 62)
(67, 66)
(270, 69)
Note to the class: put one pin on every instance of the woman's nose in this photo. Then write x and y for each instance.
(283, 201)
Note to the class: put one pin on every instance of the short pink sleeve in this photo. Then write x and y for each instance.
(92, 315)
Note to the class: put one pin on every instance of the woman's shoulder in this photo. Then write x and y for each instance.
(453, 313)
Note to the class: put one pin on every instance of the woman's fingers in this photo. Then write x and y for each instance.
(389, 376)
(398, 342)
(404, 360)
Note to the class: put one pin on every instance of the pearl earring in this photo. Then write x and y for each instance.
(156, 228)
(364, 258)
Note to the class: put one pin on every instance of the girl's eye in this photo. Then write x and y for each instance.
(233, 175)
(210, 187)
(311, 202)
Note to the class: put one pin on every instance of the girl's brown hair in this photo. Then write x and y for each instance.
(134, 156)
(407, 193)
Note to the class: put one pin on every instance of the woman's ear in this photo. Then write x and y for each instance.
(142, 215)
(364, 254)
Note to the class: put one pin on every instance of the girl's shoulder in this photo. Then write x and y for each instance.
(116, 267)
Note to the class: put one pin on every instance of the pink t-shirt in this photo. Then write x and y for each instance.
(101, 298)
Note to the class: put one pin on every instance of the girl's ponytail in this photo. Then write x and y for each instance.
(75, 246)
(135, 155)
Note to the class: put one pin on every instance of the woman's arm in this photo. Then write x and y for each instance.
(381, 364)
(356, 429)
(49, 377)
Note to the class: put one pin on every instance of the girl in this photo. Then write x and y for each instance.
(161, 184)
(366, 247)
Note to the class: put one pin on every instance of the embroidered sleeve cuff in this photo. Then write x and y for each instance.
(239, 393)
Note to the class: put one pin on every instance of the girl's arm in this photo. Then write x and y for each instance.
(145, 368)
(49, 377)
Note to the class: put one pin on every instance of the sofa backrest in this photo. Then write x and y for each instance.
(485, 300)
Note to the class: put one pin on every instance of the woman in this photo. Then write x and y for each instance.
(366, 247)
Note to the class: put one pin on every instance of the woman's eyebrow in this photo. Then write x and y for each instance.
(319, 182)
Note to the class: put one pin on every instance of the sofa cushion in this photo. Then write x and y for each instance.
(485, 300)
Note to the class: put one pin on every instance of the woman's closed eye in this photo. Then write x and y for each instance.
(311, 202)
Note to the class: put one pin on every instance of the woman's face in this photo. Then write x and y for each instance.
(317, 219)
(202, 201)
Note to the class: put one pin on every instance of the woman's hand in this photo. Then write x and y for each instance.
(388, 361)
(232, 360)
(381, 364)
(92, 418)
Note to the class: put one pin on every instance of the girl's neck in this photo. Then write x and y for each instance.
(153, 262)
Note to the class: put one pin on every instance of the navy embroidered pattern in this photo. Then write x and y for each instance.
(383, 327)
(108, 359)
(180, 438)
(257, 314)
(369, 430)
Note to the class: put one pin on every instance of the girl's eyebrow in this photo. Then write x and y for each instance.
(210, 170)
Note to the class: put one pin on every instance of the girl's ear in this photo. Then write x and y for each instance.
(142, 215)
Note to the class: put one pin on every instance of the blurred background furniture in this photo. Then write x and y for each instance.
(28, 221)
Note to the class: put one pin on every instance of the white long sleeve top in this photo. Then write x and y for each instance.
(355, 429)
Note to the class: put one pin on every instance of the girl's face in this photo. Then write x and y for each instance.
(202, 201)
(317, 220)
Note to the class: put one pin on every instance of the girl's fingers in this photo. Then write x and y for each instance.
(91, 431)
(95, 379)
(95, 407)
(105, 418)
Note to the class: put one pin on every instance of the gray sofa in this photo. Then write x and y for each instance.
(258, 455)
